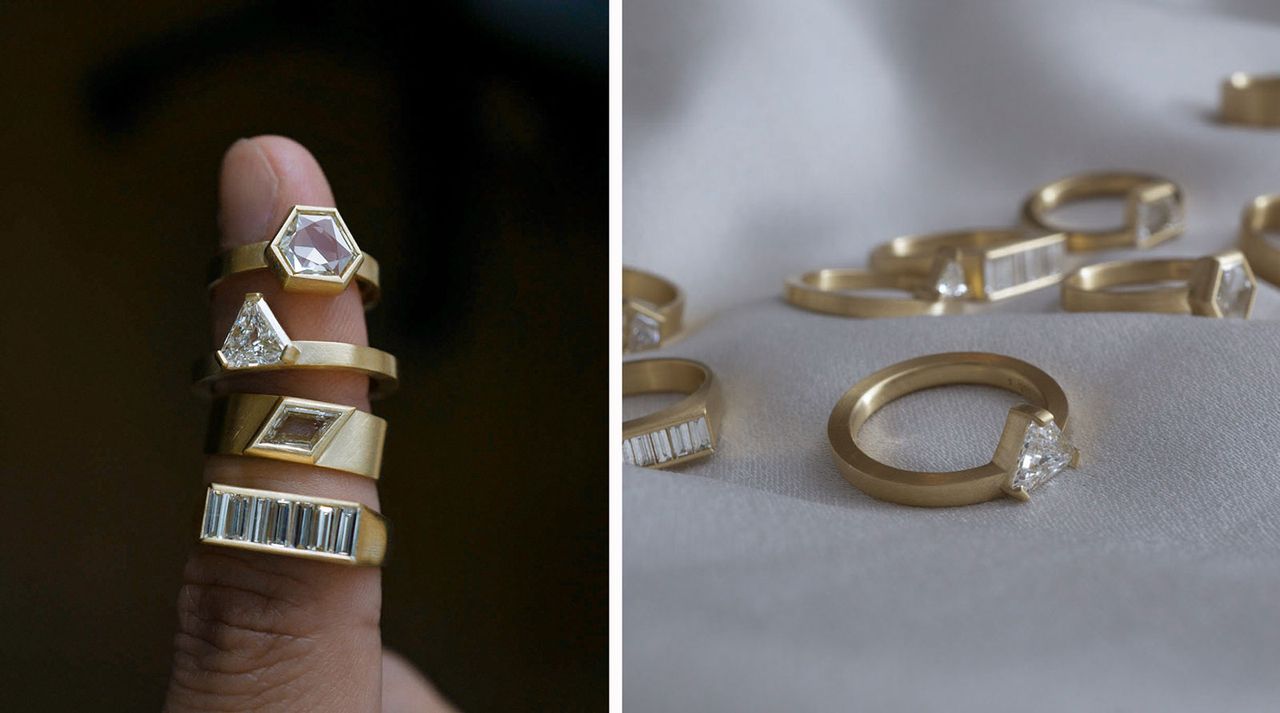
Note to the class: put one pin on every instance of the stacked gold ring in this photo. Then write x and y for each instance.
(1153, 209)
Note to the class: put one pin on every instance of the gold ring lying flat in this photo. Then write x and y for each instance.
(652, 310)
(1251, 99)
(312, 252)
(1154, 209)
(675, 435)
(836, 291)
(1219, 285)
(986, 265)
(1032, 448)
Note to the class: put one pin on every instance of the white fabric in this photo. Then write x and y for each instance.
(762, 139)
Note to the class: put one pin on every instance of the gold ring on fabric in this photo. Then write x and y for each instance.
(1221, 285)
(312, 252)
(1032, 448)
(1154, 210)
(293, 525)
(1251, 100)
(835, 291)
(1261, 217)
(298, 430)
(256, 342)
(675, 435)
(652, 310)
(985, 265)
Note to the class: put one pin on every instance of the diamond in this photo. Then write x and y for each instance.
(317, 244)
(324, 527)
(951, 283)
(213, 513)
(1156, 215)
(642, 332)
(278, 528)
(255, 337)
(997, 273)
(237, 523)
(661, 445)
(680, 440)
(627, 456)
(1235, 292)
(304, 531)
(1045, 453)
(261, 511)
(700, 435)
(298, 428)
(642, 450)
(344, 542)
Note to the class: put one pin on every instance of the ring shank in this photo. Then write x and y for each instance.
(830, 291)
(1090, 289)
(1261, 216)
(1039, 205)
(914, 254)
(245, 258)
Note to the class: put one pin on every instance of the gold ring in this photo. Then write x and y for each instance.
(1261, 216)
(652, 310)
(1251, 99)
(675, 435)
(1032, 448)
(293, 525)
(1154, 210)
(298, 430)
(312, 252)
(256, 342)
(1220, 285)
(983, 265)
(835, 291)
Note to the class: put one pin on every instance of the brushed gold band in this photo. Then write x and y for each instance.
(982, 264)
(1031, 450)
(293, 525)
(1220, 285)
(1153, 209)
(835, 291)
(680, 433)
(1251, 100)
(1261, 216)
(298, 430)
(652, 310)
(380, 366)
(245, 258)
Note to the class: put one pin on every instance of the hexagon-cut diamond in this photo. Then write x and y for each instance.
(1235, 291)
(951, 283)
(314, 244)
(642, 332)
(255, 337)
(1045, 453)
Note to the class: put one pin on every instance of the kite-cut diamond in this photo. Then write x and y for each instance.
(1045, 453)
(1156, 215)
(255, 337)
(642, 332)
(1235, 292)
(951, 283)
(317, 244)
(299, 428)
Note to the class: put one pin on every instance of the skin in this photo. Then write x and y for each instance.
(258, 632)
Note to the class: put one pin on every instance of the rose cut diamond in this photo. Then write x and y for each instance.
(255, 337)
(316, 244)
(1045, 453)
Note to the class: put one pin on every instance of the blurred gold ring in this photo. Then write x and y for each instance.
(293, 525)
(984, 265)
(1221, 285)
(1251, 99)
(1261, 216)
(652, 310)
(835, 291)
(298, 430)
(1154, 210)
(680, 433)
(1032, 448)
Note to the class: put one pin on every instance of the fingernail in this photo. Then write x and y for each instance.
(247, 194)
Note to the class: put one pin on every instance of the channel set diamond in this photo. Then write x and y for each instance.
(1045, 453)
(1003, 272)
(667, 444)
(280, 523)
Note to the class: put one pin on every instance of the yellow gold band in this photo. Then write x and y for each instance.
(1219, 285)
(1032, 448)
(380, 366)
(1154, 209)
(1261, 216)
(245, 258)
(1251, 99)
(834, 291)
(675, 435)
(652, 310)
(985, 264)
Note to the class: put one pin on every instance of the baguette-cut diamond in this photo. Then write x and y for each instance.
(1045, 453)
(997, 273)
(1235, 292)
(951, 283)
(237, 524)
(255, 337)
(681, 442)
(213, 513)
(344, 542)
(304, 526)
(700, 435)
(627, 456)
(315, 244)
(324, 528)
(279, 529)
(661, 445)
(642, 450)
(261, 511)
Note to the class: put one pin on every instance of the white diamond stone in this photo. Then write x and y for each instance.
(700, 435)
(317, 244)
(255, 337)
(1045, 453)
(344, 542)
(324, 528)
(627, 456)
(1156, 215)
(1235, 291)
(951, 283)
(680, 440)
(642, 450)
(298, 428)
(661, 445)
(261, 513)
(997, 273)
(643, 332)
(213, 514)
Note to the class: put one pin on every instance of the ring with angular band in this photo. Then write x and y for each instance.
(835, 291)
(298, 430)
(1262, 216)
(1221, 285)
(1032, 449)
(1154, 210)
(313, 251)
(685, 431)
(1251, 100)
(984, 265)
(652, 311)
(293, 525)
(256, 342)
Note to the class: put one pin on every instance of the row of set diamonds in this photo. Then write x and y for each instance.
(667, 444)
(1005, 271)
(279, 522)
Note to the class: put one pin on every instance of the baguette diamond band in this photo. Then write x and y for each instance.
(984, 265)
(680, 433)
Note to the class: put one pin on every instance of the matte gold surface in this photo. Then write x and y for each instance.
(941, 489)
(653, 296)
(1133, 188)
(1261, 216)
(684, 376)
(834, 291)
(1093, 288)
(244, 258)
(380, 366)
(924, 255)
(1251, 100)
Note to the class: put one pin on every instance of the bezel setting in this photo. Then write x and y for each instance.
(272, 439)
(294, 280)
(998, 272)
(1216, 283)
(1146, 200)
(642, 326)
(1024, 423)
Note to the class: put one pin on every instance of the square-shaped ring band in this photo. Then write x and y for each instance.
(1033, 447)
(1261, 220)
(313, 251)
(1154, 210)
(984, 264)
(1220, 285)
(298, 430)
(680, 433)
(256, 342)
(652, 311)
(335, 531)
(836, 291)
(1251, 100)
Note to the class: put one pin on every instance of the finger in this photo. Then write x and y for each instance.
(405, 690)
(258, 631)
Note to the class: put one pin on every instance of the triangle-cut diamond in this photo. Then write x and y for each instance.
(951, 283)
(255, 338)
(1045, 453)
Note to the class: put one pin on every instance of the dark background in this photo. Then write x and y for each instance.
(467, 146)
